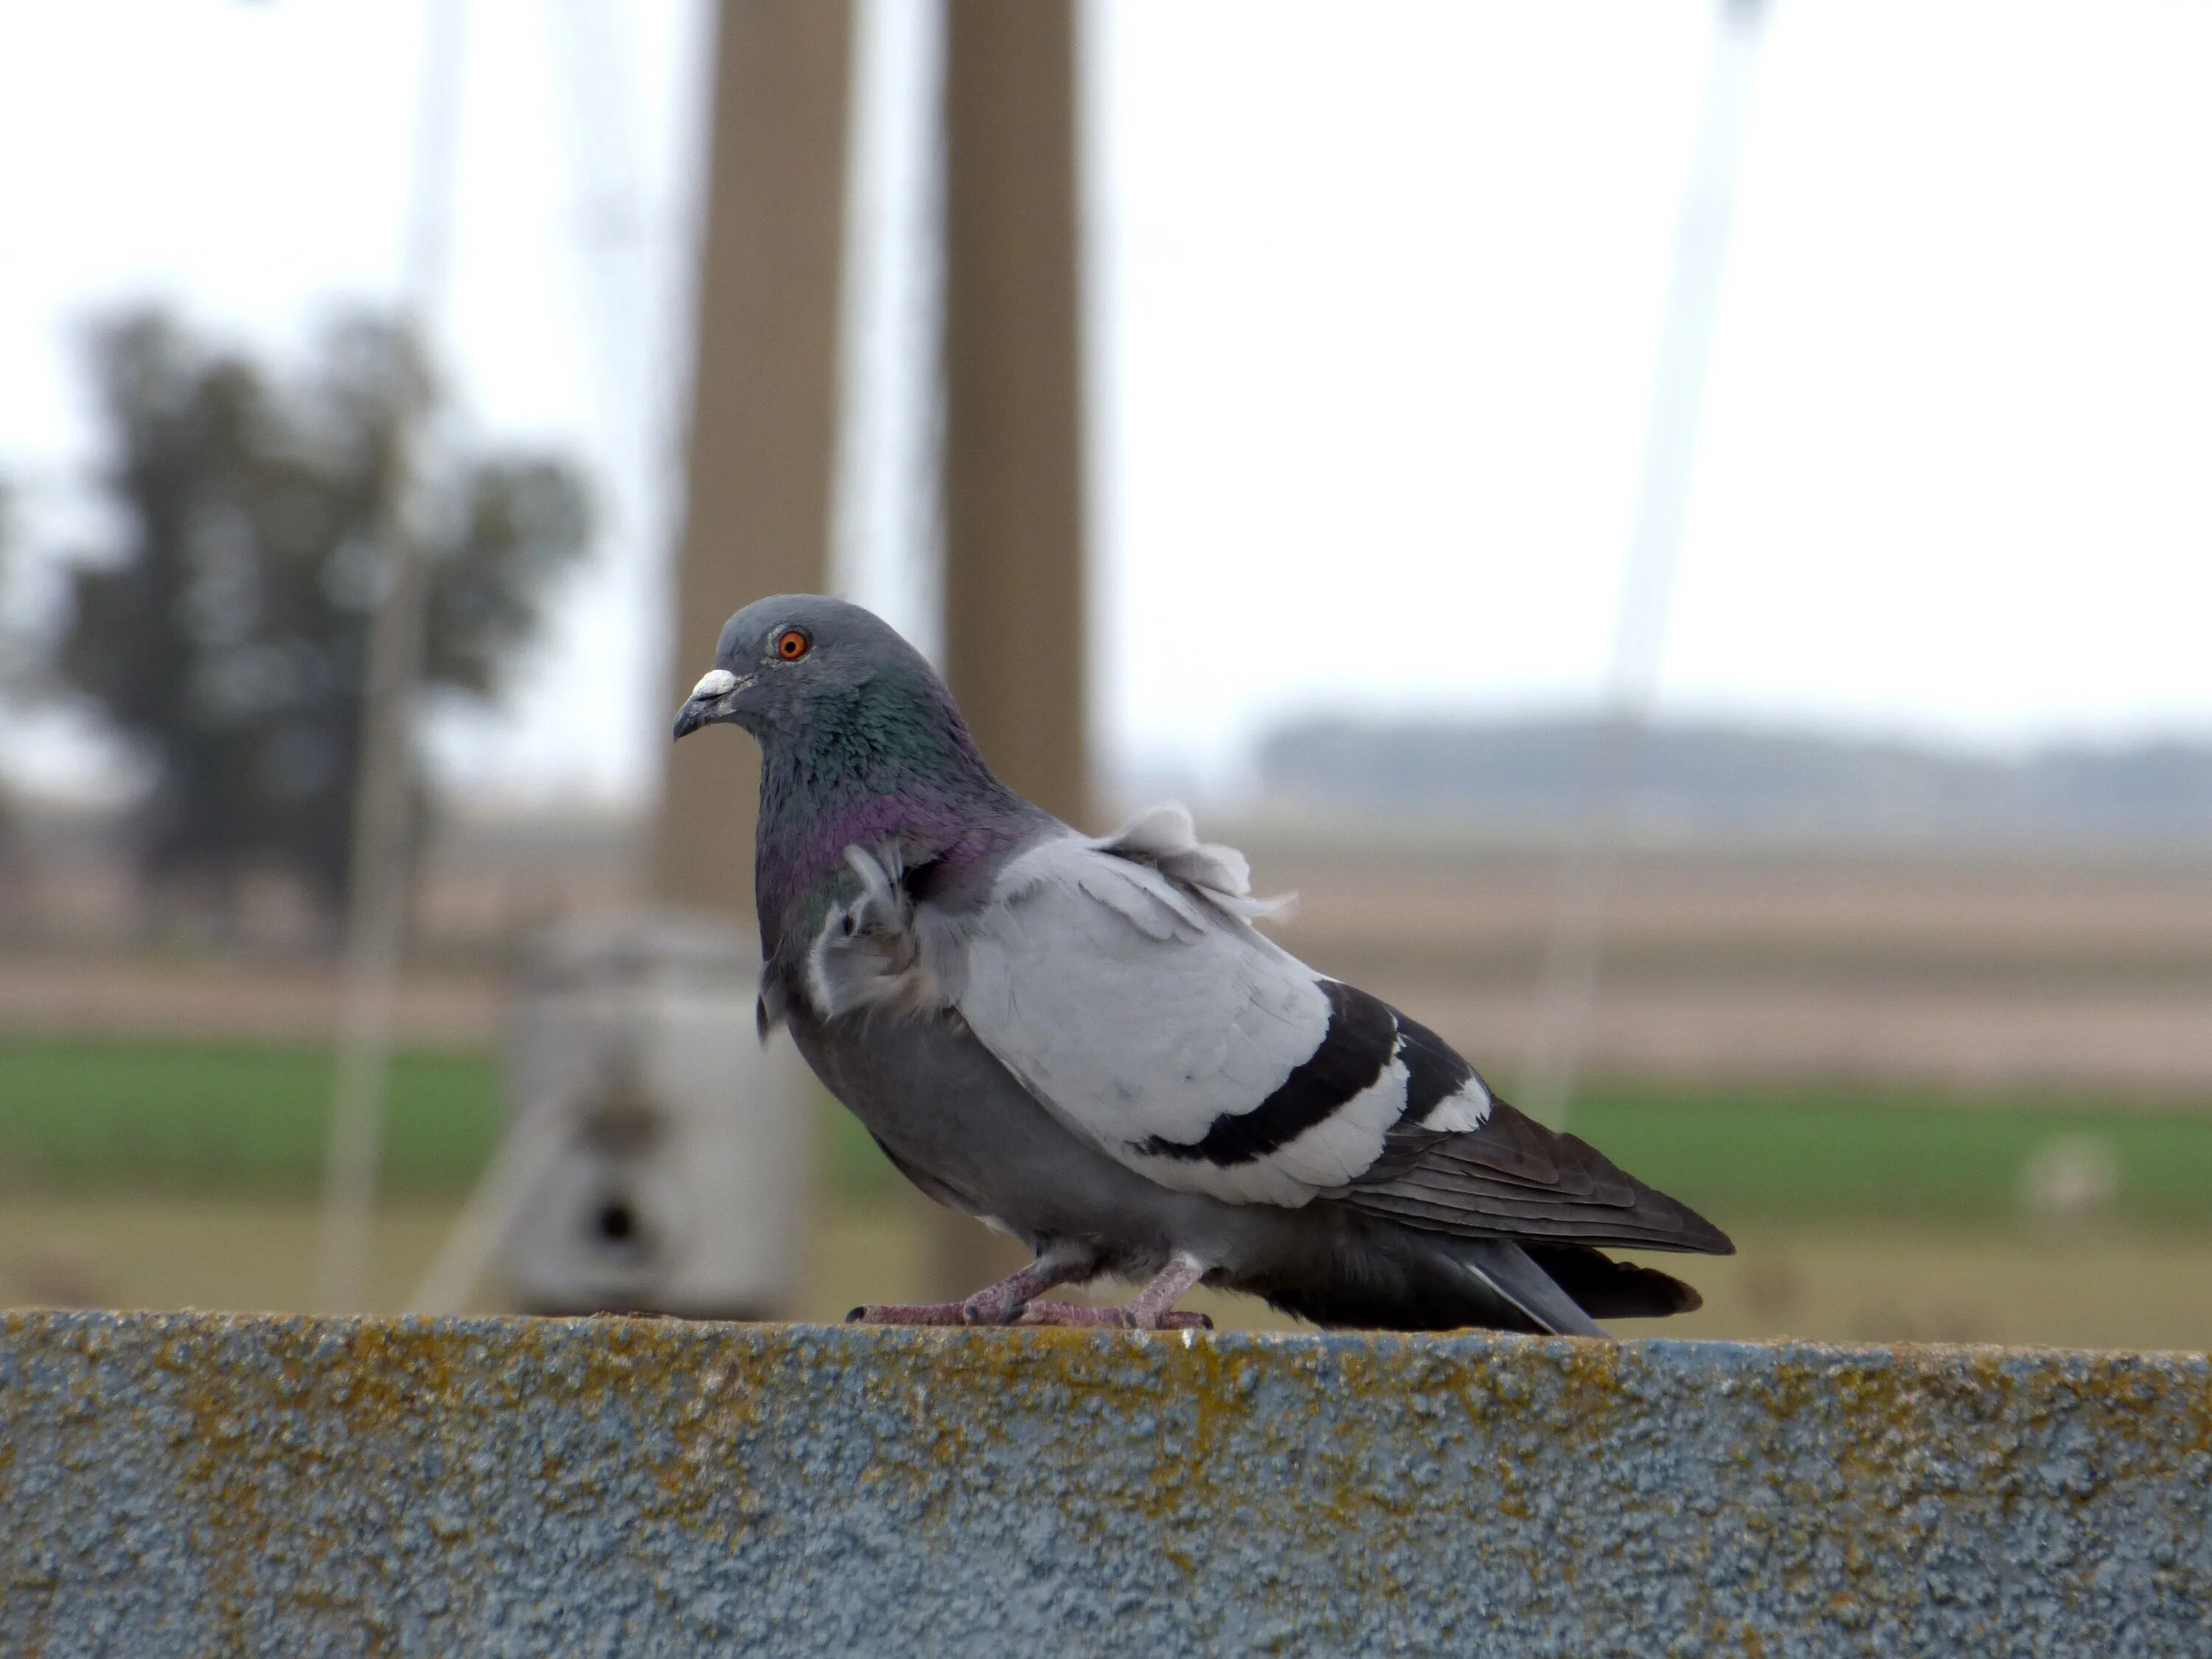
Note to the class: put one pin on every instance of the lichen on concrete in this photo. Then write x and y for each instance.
(194, 1484)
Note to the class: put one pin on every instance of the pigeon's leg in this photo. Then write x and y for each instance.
(994, 1305)
(1150, 1309)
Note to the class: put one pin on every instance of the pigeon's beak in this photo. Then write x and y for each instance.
(710, 700)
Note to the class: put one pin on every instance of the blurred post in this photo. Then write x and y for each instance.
(1567, 991)
(655, 1158)
(376, 882)
(760, 475)
(763, 401)
(1014, 643)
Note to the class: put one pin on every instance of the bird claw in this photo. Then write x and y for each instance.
(984, 1309)
(1012, 1301)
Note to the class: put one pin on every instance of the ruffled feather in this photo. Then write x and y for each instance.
(1166, 838)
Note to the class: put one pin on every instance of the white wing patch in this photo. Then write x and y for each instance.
(1460, 1112)
(1120, 1001)
(1119, 981)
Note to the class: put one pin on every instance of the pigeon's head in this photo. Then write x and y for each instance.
(782, 661)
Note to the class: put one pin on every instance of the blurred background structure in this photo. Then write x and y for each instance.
(1677, 529)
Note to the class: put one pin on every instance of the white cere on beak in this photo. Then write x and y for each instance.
(712, 683)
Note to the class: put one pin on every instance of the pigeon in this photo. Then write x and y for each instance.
(1086, 1042)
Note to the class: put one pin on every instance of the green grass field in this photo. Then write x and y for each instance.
(189, 1118)
(192, 1116)
(1838, 1151)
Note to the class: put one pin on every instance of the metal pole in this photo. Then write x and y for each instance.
(1568, 989)
(377, 879)
(1013, 466)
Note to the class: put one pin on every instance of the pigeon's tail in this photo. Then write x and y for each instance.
(1409, 1280)
(1606, 1288)
(1506, 1269)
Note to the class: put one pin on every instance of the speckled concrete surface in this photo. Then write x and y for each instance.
(192, 1484)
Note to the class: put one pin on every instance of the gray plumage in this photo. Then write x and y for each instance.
(1086, 1042)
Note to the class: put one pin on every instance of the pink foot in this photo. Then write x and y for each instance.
(993, 1306)
(1122, 1318)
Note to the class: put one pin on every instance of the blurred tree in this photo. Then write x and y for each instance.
(224, 632)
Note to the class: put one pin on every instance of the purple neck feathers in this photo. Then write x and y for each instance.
(899, 768)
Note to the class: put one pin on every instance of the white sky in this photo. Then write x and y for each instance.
(1379, 287)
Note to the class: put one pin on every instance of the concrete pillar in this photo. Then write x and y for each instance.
(1013, 430)
(765, 399)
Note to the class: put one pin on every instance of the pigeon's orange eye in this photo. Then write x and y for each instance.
(791, 644)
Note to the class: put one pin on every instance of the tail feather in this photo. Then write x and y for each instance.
(1508, 1269)
(1408, 1279)
(1606, 1288)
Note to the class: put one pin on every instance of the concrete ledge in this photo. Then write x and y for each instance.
(187, 1483)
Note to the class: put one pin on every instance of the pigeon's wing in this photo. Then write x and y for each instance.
(1474, 1165)
(1513, 1178)
(1121, 981)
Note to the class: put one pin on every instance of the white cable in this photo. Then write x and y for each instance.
(1568, 987)
(603, 162)
(376, 886)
